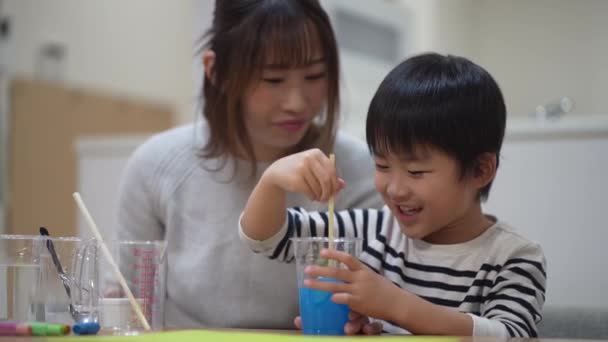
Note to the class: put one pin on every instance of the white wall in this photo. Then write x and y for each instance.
(597, 51)
(544, 49)
(456, 27)
(4, 63)
(551, 186)
(361, 73)
(203, 14)
(138, 48)
(537, 50)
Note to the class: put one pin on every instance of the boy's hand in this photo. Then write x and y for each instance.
(362, 289)
(357, 324)
(309, 172)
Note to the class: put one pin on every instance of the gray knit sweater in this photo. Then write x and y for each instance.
(213, 279)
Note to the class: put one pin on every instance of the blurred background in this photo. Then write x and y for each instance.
(82, 83)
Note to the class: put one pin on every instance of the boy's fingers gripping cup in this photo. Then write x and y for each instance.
(320, 315)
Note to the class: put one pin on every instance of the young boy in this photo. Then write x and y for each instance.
(432, 261)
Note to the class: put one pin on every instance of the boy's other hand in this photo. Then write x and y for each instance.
(362, 289)
(113, 291)
(357, 324)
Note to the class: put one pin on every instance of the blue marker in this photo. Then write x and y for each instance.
(86, 328)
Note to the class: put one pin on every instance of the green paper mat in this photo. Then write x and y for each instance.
(231, 336)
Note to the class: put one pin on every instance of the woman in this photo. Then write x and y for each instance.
(270, 89)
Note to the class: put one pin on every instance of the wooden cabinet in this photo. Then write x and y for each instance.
(45, 120)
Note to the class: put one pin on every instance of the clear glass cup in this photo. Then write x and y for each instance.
(47, 279)
(69, 279)
(320, 315)
(144, 266)
(20, 278)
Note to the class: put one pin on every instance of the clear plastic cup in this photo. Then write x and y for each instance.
(320, 315)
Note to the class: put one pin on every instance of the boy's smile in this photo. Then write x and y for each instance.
(407, 213)
(429, 198)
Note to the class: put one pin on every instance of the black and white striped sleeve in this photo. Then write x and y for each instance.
(302, 223)
(518, 293)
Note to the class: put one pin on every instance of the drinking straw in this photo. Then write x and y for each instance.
(106, 251)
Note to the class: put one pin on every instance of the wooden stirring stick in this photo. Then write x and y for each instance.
(330, 227)
(121, 279)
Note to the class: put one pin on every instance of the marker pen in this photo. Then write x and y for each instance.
(47, 329)
(86, 328)
(8, 328)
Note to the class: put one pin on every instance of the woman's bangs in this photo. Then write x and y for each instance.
(289, 44)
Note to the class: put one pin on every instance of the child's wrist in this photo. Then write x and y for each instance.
(268, 180)
(400, 308)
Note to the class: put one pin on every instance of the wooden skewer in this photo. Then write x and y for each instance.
(330, 227)
(106, 251)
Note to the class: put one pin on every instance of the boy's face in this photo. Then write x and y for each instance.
(428, 197)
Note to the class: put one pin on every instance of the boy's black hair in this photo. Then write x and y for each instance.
(444, 102)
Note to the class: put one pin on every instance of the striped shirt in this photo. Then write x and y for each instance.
(498, 278)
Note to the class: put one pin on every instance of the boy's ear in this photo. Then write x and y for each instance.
(485, 169)
(208, 58)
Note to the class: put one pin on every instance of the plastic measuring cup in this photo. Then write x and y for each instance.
(320, 315)
(144, 266)
(20, 278)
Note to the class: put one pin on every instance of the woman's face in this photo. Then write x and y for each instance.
(280, 106)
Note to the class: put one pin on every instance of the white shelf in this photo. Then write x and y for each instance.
(568, 126)
(2, 219)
